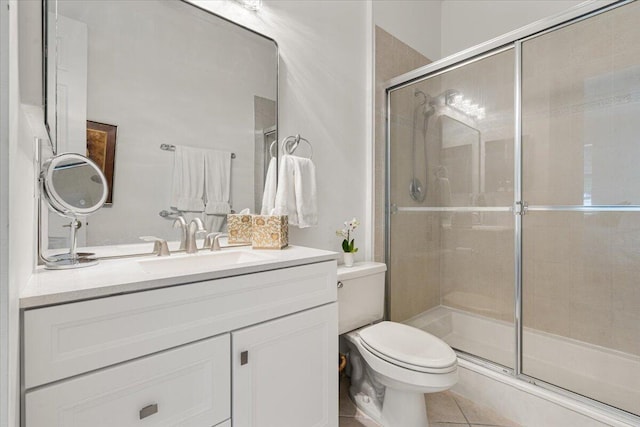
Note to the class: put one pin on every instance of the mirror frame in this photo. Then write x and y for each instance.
(48, 53)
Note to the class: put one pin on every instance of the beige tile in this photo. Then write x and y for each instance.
(476, 414)
(442, 408)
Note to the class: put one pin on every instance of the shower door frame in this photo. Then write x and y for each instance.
(512, 40)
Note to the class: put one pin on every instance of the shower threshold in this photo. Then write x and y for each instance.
(599, 373)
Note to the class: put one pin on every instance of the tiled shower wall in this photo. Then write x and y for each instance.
(393, 58)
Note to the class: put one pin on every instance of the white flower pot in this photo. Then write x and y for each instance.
(349, 258)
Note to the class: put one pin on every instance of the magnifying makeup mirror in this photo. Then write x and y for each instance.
(73, 186)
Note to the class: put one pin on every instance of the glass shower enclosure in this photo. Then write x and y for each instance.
(513, 206)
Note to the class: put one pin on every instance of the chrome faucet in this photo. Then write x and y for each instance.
(182, 223)
(195, 227)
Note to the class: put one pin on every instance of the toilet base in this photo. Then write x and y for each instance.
(403, 408)
(386, 405)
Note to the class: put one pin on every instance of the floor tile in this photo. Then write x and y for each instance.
(442, 408)
(481, 415)
(345, 406)
(356, 422)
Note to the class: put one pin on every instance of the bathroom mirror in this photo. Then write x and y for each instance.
(73, 186)
(128, 81)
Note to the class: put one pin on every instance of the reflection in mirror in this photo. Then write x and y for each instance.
(163, 72)
(72, 186)
(460, 161)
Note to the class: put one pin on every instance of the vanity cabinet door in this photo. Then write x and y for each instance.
(186, 386)
(285, 371)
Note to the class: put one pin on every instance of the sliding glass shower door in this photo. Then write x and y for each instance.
(513, 196)
(581, 234)
(452, 230)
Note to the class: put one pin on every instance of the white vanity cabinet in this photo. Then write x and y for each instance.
(284, 371)
(264, 344)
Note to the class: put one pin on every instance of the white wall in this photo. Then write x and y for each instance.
(324, 54)
(415, 22)
(17, 187)
(4, 214)
(466, 23)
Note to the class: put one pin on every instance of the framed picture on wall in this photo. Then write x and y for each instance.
(101, 148)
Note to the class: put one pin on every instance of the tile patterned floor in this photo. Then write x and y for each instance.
(445, 409)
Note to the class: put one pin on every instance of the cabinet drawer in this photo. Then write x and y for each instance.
(189, 386)
(69, 339)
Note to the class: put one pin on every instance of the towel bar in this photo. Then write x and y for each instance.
(170, 147)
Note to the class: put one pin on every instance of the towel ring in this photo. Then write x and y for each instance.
(290, 144)
(271, 147)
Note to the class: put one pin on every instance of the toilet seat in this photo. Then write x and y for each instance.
(408, 347)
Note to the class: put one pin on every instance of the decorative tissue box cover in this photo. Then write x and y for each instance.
(270, 231)
(239, 228)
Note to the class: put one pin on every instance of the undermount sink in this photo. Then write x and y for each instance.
(202, 261)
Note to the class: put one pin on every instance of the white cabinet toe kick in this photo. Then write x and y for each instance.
(181, 355)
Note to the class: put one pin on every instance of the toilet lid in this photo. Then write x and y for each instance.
(408, 346)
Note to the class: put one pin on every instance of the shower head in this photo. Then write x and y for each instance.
(427, 102)
(425, 97)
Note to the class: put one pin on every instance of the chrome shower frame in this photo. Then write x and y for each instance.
(510, 41)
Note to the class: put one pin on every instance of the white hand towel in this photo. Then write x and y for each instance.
(217, 188)
(305, 189)
(270, 184)
(285, 203)
(296, 195)
(187, 190)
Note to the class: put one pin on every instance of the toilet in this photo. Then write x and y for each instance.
(392, 364)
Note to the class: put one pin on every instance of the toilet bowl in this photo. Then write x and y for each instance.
(392, 364)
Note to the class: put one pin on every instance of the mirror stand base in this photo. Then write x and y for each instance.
(68, 261)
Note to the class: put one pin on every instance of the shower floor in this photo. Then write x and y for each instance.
(600, 373)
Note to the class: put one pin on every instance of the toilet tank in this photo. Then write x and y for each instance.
(361, 295)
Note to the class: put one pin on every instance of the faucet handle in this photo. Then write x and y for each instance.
(215, 245)
(160, 246)
(208, 241)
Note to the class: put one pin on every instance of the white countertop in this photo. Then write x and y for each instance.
(115, 276)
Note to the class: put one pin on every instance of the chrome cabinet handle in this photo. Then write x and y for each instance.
(244, 358)
(148, 410)
(340, 284)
